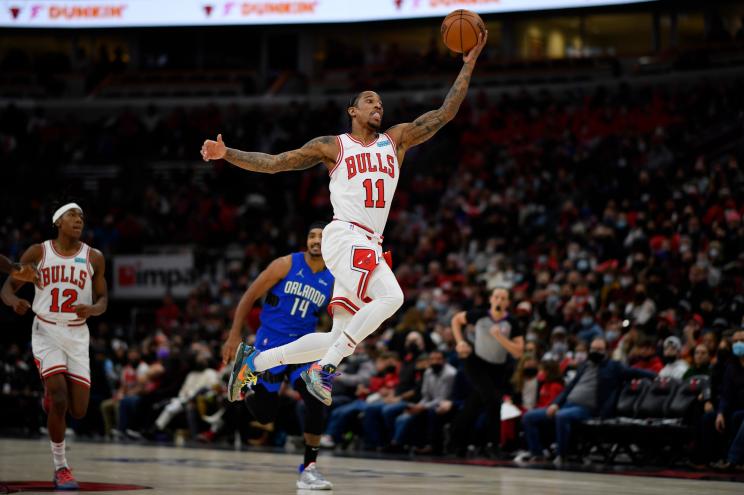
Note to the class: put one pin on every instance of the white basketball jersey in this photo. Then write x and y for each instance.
(67, 281)
(363, 181)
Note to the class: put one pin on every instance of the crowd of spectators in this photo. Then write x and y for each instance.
(611, 214)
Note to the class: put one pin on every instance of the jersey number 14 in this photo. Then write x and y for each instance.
(300, 305)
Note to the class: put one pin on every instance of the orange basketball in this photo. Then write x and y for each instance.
(460, 30)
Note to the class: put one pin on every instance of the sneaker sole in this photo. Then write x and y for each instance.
(237, 364)
(305, 486)
(309, 387)
(68, 488)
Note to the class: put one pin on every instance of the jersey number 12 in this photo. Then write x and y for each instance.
(71, 297)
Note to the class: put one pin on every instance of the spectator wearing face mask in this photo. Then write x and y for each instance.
(730, 417)
(588, 329)
(700, 363)
(642, 308)
(535, 384)
(674, 365)
(379, 417)
(381, 386)
(431, 412)
(593, 392)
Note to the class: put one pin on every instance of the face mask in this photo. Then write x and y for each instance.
(612, 336)
(640, 297)
(559, 348)
(586, 321)
(390, 369)
(580, 357)
(437, 368)
(596, 357)
(413, 348)
(668, 359)
(738, 349)
(608, 279)
(541, 376)
(529, 372)
(625, 282)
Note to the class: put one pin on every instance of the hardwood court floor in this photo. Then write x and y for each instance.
(168, 470)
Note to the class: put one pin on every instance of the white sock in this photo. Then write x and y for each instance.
(58, 454)
(386, 296)
(340, 349)
(306, 349)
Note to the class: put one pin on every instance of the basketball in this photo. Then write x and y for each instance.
(460, 30)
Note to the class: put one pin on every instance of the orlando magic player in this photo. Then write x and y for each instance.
(297, 288)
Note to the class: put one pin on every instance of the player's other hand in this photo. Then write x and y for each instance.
(472, 55)
(21, 306)
(83, 311)
(213, 150)
(229, 348)
(27, 273)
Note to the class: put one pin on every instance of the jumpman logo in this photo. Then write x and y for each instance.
(299, 273)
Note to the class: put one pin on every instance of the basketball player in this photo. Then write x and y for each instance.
(72, 288)
(297, 288)
(364, 167)
(23, 272)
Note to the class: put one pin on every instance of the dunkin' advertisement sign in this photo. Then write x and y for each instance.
(133, 13)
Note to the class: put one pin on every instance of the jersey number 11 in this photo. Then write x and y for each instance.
(369, 202)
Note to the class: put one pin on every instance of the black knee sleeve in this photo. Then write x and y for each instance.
(262, 404)
(314, 410)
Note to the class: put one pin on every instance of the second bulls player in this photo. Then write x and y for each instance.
(71, 289)
(364, 167)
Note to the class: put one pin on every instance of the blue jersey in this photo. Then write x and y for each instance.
(293, 305)
(291, 310)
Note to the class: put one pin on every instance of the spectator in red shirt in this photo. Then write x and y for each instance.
(644, 357)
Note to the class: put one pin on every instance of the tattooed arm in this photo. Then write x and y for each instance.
(321, 149)
(424, 127)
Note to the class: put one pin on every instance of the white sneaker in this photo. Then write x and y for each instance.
(311, 479)
(326, 442)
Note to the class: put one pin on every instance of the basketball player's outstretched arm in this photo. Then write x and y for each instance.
(277, 270)
(31, 256)
(100, 288)
(424, 127)
(321, 149)
(25, 272)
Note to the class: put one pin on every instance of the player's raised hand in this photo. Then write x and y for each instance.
(472, 55)
(21, 306)
(27, 272)
(213, 150)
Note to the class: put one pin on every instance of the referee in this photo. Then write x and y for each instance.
(486, 361)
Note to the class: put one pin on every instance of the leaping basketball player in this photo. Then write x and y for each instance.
(297, 287)
(72, 288)
(364, 167)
